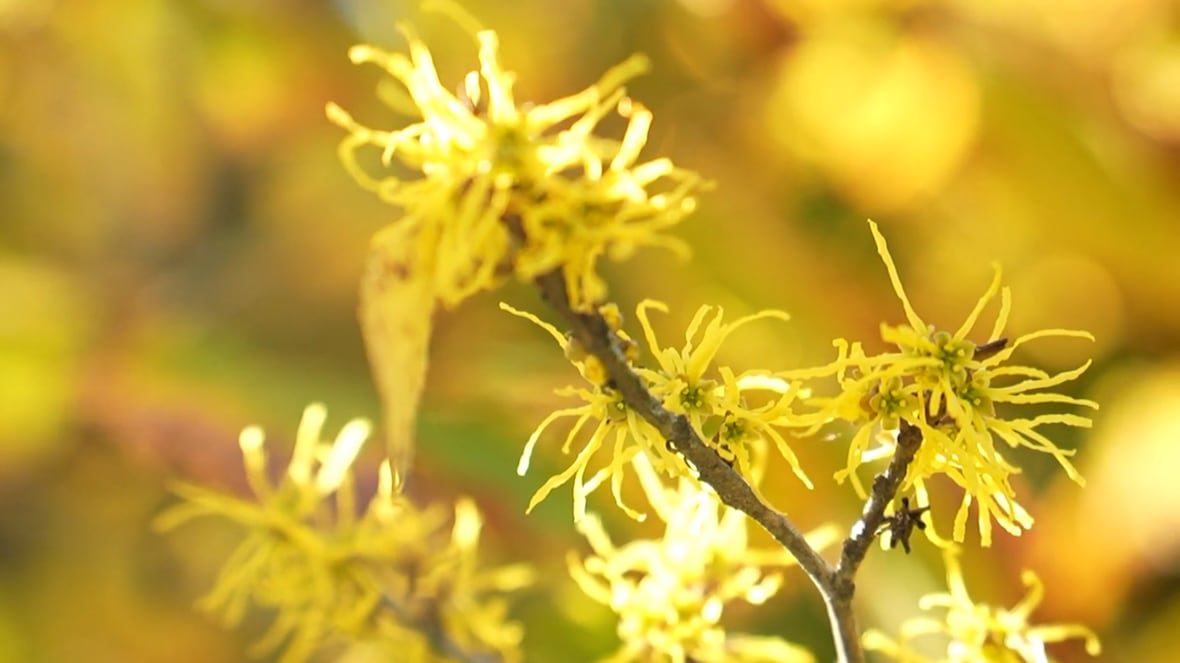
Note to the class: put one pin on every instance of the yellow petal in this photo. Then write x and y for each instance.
(883, 250)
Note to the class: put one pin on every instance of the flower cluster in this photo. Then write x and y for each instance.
(719, 408)
(487, 185)
(719, 404)
(948, 386)
(978, 631)
(671, 593)
(392, 571)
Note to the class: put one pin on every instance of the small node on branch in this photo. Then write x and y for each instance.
(901, 524)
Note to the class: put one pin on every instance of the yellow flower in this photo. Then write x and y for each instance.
(980, 633)
(719, 409)
(391, 573)
(670, 593)
(716, 406)
(613, 422)
(949, 387)
(493, 184)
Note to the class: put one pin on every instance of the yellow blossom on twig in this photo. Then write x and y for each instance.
(670, 593)
(978, 632)
(613, 422)
(329, 570)
(715, 403)
(494, 185)
(948, 386)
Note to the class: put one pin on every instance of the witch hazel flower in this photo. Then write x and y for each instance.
(737, 415)
(671, 593)
(488, 185)
(327, 566)
(978, 632)
(960, 393)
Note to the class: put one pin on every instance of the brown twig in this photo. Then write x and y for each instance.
(835, 584)
(885, 486)
(596, 336)
(864, 531)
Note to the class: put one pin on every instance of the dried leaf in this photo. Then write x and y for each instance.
(397, 301)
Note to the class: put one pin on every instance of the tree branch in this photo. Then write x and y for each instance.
(596, 336)
(885, 486)
(856, 546)
(836, 585)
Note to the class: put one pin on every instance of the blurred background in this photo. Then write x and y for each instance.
(180, 250)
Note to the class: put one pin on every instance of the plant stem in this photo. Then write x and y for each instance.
(834, 584)
(596, 336)
(856, 546)
(885, 486)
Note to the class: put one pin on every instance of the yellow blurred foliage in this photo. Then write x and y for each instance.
(1146, 84)
(43, 331)
(1125, 527)
(888, 115)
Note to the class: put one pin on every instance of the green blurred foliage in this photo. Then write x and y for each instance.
(179, 254)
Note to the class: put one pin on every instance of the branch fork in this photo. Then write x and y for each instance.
(835, 583)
